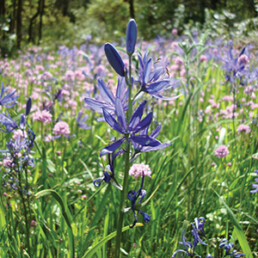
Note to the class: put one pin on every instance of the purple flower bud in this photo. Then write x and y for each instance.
(131, 36)
(28, 106)
(114, 59)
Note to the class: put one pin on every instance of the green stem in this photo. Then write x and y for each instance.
(25, 213)
(126, 171)
(122, 199)
(234, 103)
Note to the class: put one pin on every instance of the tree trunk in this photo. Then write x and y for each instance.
(2, 8)
(13, 18)
(42, 6)
(2, 15)
(31, 38)
(131, 3)
(19, 24)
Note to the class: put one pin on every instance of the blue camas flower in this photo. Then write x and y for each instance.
(133, 197)
(81, 121)
(106, 97)
(109, 172)
(114, 59)
(135, 125)
(229, 247)
(18, 157)
(234, 68)
(154, 81)
(8, 122)
(255, 186)
(131, 36)
(9, 100)
(189, 247)
(197, 231)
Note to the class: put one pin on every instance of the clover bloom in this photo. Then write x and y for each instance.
(138, 170)
(222, 151)
(61, 128)
(243, 128)
(43, 116)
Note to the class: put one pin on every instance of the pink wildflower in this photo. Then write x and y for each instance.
(43, 116)
(222, 151)
(137, 170)
(19, 134)
(61, 128)
(243, 128)
(203, 58)
(174, 31)
(243, 60)
(8, 163)
(33, 223)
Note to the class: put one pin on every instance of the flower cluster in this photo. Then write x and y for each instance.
(229, 247)
(197, 232)
(122, 113)
(138, 170)
(17, 156)
(222, 151)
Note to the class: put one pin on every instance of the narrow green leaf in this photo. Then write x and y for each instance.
(65, 212)
(238, 233)
(94, 249)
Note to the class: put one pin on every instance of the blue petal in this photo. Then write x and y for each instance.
(146, 216)
(156, 132)
(22, 122)
(145, 140)
(137, 115)
(105, 92)
(97, 182)
(120, 113)
(112, 122)
(112, 147)
(132, 196)
(107, 177)
(144, 123)
(146, 73)
(97, 105)
(121, 88)
(178, 251)
(157, 86)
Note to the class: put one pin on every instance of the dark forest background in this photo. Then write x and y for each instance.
(54, 22)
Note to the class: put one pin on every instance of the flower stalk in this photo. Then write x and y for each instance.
(127, 167)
